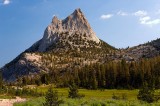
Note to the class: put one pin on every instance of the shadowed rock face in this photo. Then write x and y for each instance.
(74, 23)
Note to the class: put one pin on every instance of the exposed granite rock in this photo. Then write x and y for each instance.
(75, 23)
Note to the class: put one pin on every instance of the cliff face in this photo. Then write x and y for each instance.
(62, 40)
(76, 23)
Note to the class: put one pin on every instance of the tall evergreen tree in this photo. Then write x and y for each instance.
(146, 93)
(73, 91)
(51, 98)
(94, 80)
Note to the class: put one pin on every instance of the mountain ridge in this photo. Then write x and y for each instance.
(71, 43)
(76, 23)
(73, 37)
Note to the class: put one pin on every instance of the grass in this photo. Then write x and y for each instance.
(106, 94)
(88, 102)
(7, 97)
(31, 102)
(92, 98)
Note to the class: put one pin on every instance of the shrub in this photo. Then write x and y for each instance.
(146, 94)
(73, 91)
(115, 97)
(51, 98)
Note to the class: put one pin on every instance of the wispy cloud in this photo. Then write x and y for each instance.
(106, 16)
(121, 13)
(148, 21)
(6, 2)
(143, 16)
(140, 13)
(145, 19)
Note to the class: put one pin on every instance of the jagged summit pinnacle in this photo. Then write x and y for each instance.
(55, 19)
(76, 22)
(77, 12)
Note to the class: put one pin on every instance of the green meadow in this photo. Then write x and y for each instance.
(92, 98)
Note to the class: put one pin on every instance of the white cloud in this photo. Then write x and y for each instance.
(107, 16)
(153, 22)
(122, 13)
(143, 20)
(147, 21)
(6, 2)
(140, 13)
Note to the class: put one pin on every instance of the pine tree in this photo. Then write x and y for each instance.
(146, 93)
(51, 98)
(73, 91)
(24, 81)
(103, 76)
(76, 76)
(94, 81)
(99, 76)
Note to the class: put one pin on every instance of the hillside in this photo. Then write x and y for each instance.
(66, 43)
(147, 50)
(70, 51)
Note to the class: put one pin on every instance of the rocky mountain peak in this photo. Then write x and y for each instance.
(77, 21)
(74, 23)
(78, 14)
(78, 10)
(55, 19)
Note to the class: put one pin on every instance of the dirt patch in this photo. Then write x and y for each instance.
(10, 102)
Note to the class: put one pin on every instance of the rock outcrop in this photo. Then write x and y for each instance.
(71, 33)
(74, 23)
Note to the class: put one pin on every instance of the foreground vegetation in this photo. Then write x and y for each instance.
(93, 98)
(89, 102)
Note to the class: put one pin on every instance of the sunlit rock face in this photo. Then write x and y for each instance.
(74, 23)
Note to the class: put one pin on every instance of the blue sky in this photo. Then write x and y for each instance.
(120, 23)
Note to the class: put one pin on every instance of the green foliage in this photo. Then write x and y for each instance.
(73, 91)
(17, 91)
(124, 96)
(45, 79)
(38, 82)
(51, 98)
(31, 102)
(118, 97)
(80, 67)
(115, 97)
(93, 97)
(146, 94)
(89, 102)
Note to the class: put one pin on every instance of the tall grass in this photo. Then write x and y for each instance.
(93, 98)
